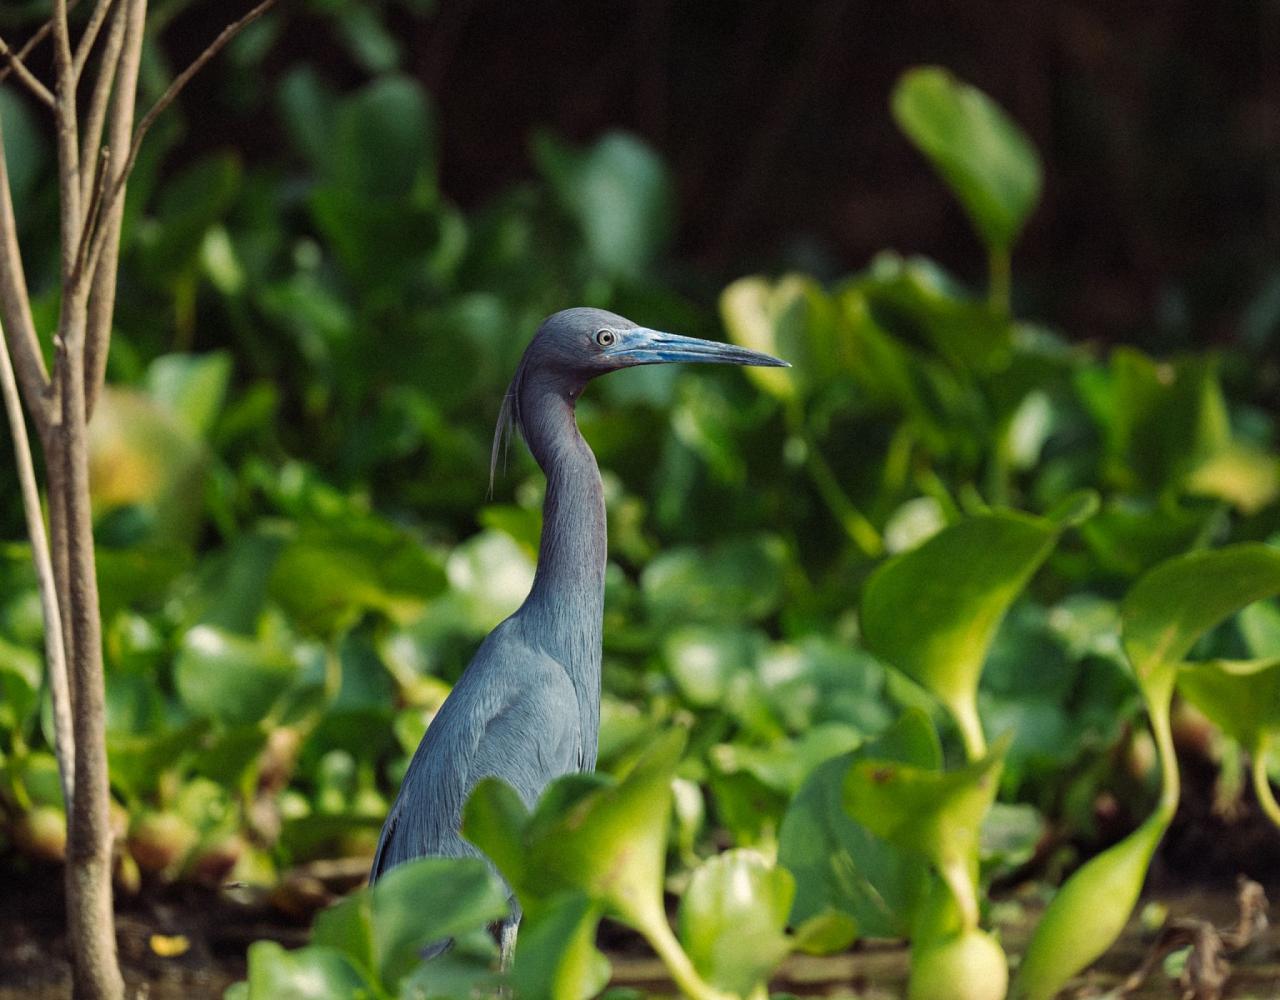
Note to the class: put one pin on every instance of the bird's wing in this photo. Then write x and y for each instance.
(513, 716)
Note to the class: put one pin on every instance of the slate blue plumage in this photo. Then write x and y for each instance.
(527, 708)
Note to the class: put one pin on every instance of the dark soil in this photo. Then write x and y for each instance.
(217, 931)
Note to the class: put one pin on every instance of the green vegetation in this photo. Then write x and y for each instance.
(873, 626)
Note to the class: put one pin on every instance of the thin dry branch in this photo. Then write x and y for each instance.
(67, 128)
(91, 134)
(32, 83)
(173, 90)
(41, 33)
(15, 307)
(90, 35)
(102, 294)
(55, 653)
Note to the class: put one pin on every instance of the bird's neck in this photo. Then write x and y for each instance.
(568, 589)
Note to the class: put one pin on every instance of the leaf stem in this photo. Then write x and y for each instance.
(1261, 783)
(1159, 692)
(658, 933)
(965, 712)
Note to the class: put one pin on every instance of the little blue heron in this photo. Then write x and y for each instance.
(527, 708)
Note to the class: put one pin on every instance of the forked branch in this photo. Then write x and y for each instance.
(28, 78)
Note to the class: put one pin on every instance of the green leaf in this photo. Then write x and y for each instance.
(934, 813)
(328, 574)
(619, 194)
(837, 862)
(733, 918)
(1088, 913)
(191, 386)
(385, 928)
(965, 966)
(229, 678)
(311, 973)
(556, 957)
(607, 840)
(1167, 610)
(825, 933)
(793, 319)
(494, 819)
(984, 157)
(1241, 697)
(738, 580)
(383, 142)
(933, 612)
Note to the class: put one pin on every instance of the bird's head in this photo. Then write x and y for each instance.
(574, 346)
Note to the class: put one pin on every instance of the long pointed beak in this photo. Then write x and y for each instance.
(639, 346)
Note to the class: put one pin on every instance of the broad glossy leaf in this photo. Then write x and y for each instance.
(739, 580)
(383, 142)
(192, 386)
(619, 194)
(1167, 610)
(1129, 536)
(733, 918)
(385, 928)
(987, 160)
(1242, 697)
(937, 814)
(326, 575)
(494, 819)
(556, 955)
(1088, 913)
(493, 574)
(933, 612)
(229, 678)
(793, 319)
(608, 840)
(1160, 419)
(311, 973)
(145, 459)
(1244, 476)
(841, 865)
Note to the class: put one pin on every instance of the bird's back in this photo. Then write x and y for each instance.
(512, 715)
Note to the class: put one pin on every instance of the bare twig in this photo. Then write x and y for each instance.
(55, 654)
(106, 250)
(175, 88)
(25, 75)
(100, 176)
(68, 141)
(15, 307)
(91, 134)
(40, 35)
(90, 35)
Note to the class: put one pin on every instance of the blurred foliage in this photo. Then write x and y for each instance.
(297, 555)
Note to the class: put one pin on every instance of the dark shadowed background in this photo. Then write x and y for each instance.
(1159, 124)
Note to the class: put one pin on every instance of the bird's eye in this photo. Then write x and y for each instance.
(605, 338)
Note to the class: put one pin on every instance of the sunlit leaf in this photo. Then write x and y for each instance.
(1088, 913)
(385, 928)
(230, 678)
(841, 865)
(937, 814)
(556, 957)
(311, 973)
(987, 160)
(933, 612)
(1241, 697)
(1172, 606)
(733, 918)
